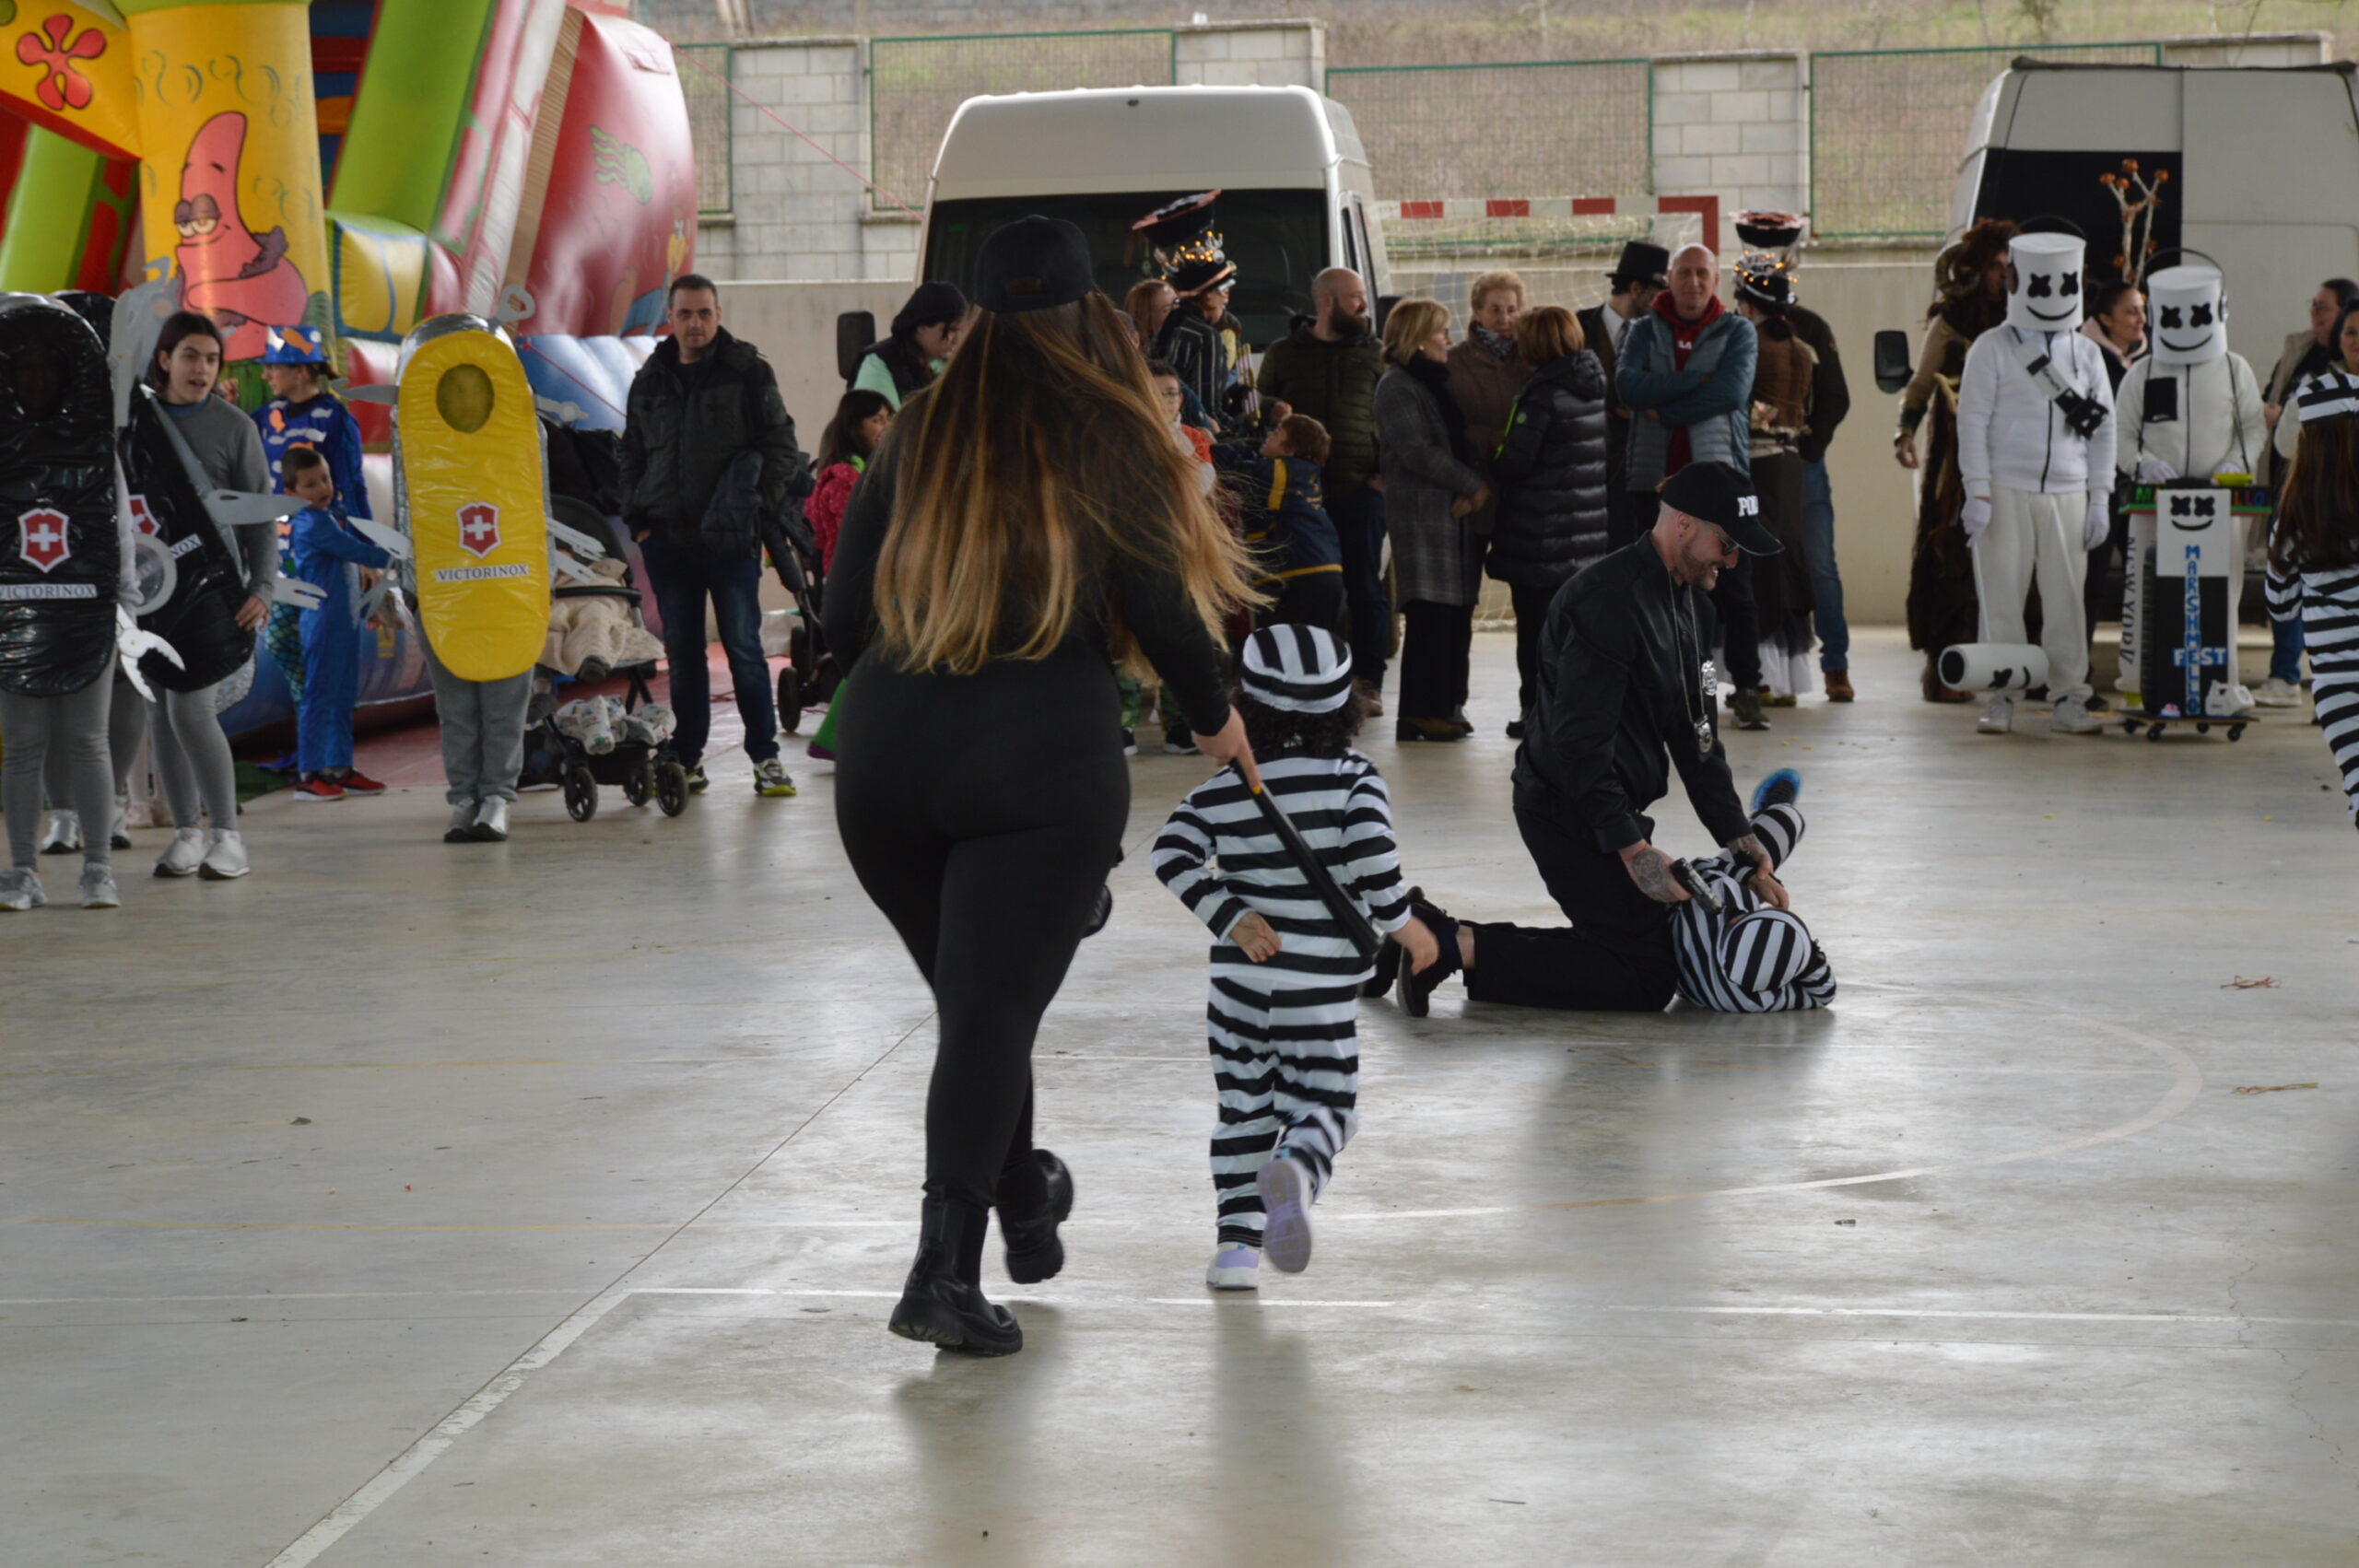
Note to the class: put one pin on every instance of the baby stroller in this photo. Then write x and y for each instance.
(810, 676)
(600, 741)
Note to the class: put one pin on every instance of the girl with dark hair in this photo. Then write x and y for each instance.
(851, 439)
(2314, 559)
(192, 754)
(1942, 606)
(1028, 522)
(924, 334)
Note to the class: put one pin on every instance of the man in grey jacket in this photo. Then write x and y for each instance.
(1685, 375)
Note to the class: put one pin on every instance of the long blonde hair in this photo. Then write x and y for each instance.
(1037, 458)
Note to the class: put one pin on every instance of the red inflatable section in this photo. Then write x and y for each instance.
(370, 364)
(615, 220)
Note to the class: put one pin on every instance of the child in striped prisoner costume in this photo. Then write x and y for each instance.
(1752, 957)
(2314, 561)
(1286, 981)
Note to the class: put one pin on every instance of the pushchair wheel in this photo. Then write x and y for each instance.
(639, 784)
(581, 793)
(821, 688)
(790, 699)
(798, 645)
(672, 788)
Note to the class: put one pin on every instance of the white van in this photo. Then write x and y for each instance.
(1296, 196)
(2263, 165)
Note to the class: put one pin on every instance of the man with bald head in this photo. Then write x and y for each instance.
(1686, 376)
(1328, 368)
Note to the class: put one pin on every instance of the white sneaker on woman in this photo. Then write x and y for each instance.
(184, 854)
(65, 836)
(226, 859)
(99, 891)
(20, 890)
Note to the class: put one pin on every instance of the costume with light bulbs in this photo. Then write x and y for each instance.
(2192, 408)
(2036, 449)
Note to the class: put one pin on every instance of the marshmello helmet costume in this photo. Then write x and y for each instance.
(2191, 409)
(2035, 452)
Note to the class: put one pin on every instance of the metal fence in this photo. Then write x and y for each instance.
(1584, 126)
(916, 84)
(1887, 128)
(705, 72)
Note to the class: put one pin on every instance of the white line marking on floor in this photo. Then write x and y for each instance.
(1960, 1314)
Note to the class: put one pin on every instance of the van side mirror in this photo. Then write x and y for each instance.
(1384, 303)
(1893, 370)
(855, 330)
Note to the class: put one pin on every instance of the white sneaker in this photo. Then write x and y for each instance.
(2274, 693)
(65, 836)
(99, 891)
(1235, 1267)
(491, 821)
(1998, 718)
(183, 856)
(2072, 717)
(463, 823)
(1285, 1204)
(20, 890)
(225, 861)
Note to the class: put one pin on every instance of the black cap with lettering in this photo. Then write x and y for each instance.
(1717, 494)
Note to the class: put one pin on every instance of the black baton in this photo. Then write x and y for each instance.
(1362, 935)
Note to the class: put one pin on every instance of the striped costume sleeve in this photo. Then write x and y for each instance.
(1371, 863)
(2280, 588)
(1183, 852)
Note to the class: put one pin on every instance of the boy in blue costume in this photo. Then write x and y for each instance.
(326, 552)
(1297, 556)
(303, 412)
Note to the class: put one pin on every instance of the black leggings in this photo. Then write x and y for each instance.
(982, 813)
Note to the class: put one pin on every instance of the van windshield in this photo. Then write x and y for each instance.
(1277, 239)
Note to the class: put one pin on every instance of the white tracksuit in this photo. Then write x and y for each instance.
(2013, 447)
(2220, 429)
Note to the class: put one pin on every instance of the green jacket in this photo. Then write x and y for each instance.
(1335, 384)
(675, 442)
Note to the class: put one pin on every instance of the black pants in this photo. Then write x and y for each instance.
(1739, 620)
(1315, 599)
(1614, 957)
(982, 813)
(1531, 616)
(1359, 528)
(1435, 648)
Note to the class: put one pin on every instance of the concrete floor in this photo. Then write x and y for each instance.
(542, 1205)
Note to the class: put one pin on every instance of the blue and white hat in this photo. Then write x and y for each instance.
(2329, 395)
(1298, 669)
(293, 345)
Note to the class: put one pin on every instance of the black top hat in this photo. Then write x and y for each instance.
(1170, 227)
(1718, 494)
(1034, 263)
(1763, 279)
(1642, 262)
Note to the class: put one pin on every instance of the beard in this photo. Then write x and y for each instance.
(1357, 322)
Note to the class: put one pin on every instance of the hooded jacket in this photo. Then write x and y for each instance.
(2011, 435)
(1552, 474)
(683, 424)
(1335, 384)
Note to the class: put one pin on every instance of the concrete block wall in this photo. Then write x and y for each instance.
(794, 213)
(1736, 126)
(1252, 55)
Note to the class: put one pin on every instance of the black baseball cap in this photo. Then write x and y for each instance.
(1717, 494)
(1034, 263)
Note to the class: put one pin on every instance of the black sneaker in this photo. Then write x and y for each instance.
(698, 783)
(1747, 705)
(1782, 788)
(1099, 913)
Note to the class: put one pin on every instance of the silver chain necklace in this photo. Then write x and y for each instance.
(1708, 677)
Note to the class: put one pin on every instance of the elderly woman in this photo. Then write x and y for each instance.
(1486, 372)
(1431, 489)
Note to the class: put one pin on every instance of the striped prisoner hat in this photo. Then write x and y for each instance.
(1763, 950)
(2329, 395)
(1298, 669)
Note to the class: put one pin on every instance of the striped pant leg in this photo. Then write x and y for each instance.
(1780, 829)
(2335, 695)
(1319, 1072)
(1245, 1070)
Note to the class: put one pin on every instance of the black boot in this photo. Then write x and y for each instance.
(941, 1308)
(1388, 960)
(1417, 988)
(1034, 1253)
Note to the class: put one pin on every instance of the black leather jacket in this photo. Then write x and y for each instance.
(1620, 694)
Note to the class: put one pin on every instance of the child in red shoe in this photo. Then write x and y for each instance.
(331, 557)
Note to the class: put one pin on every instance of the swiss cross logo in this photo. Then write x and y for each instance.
(41, 537)
(479, 529)
(144, 518)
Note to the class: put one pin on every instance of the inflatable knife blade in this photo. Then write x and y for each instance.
(379, 392)
(392, 540)
(132, 644)
(132, 334)
(563, 412)
(583, 545)
(294, 591)
(244, 509)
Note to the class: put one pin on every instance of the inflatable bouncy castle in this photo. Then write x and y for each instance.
(357, 166)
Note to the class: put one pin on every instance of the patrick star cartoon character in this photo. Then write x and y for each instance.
(240, 279)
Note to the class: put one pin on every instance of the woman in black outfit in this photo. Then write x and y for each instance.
(1028, 522)
(1551, 478)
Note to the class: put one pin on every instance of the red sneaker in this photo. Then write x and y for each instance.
(318, 790)
(356, 782)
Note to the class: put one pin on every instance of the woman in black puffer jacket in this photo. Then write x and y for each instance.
(1551, 474)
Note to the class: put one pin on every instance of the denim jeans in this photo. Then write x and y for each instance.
(2285, 652)
(683, 576)
(1825, 580)
(1359, 526)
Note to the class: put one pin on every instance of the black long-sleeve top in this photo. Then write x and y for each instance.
(1620, 691)
(1153, 604)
